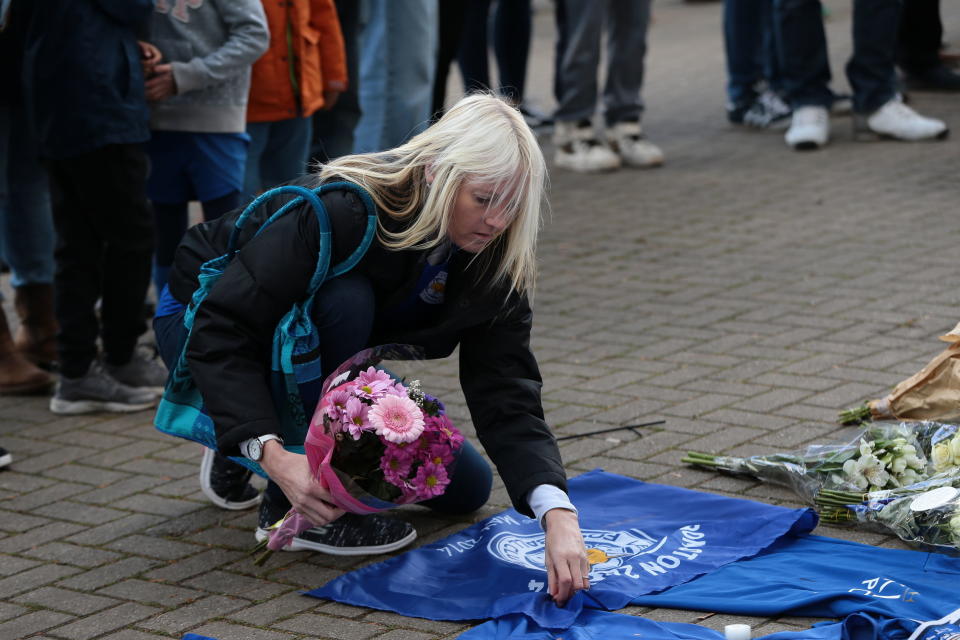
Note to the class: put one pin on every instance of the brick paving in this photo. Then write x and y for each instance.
(743, 293)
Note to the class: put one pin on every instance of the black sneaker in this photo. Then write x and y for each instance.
(5, 458)
(226, 483)
(348, 535)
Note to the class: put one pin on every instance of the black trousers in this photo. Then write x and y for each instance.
(920, 36)
(104, 251)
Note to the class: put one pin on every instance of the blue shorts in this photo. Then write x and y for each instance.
(188, 166)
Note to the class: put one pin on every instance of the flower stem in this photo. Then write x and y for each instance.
(855, 415)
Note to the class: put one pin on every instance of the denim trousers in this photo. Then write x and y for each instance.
(26, 222)
(278, 153)
(803, 53)
(397, 63)
(581, 24)
(343, 313)
(750, 45)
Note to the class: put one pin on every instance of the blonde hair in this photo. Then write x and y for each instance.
(480, 138)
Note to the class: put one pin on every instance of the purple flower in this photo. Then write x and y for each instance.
(372, 384)
(355, 418)
(431, 480)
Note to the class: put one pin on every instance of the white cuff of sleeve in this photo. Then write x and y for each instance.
(545, 497)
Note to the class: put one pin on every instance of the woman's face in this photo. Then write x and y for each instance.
(476, 219)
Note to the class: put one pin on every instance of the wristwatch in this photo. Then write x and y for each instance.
(252, 449)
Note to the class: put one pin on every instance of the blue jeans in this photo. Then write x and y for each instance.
(26, 222)
(803, 53)
(397, 64)
(581, 24)
(343, 313)
(750, 44)
(278, 153)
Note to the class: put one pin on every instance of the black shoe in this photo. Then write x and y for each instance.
(226, 483)
(939, 78)
(348, 535)
(5, 458)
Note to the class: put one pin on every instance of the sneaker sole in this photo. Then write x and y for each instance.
(570, 166)
(862, 133)
(77, 407)
(298, 544)
(6, 460)
(205, 466)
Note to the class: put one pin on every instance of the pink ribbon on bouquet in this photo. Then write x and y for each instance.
(319, 448)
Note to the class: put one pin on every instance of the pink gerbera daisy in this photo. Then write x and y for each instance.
(396, 419)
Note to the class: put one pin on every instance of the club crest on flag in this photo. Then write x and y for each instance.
(609, 552)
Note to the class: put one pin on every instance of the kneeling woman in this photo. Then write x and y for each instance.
(453, 264)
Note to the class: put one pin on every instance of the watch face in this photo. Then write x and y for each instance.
(256, 450)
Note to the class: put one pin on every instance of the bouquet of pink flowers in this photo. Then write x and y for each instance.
(374, 443)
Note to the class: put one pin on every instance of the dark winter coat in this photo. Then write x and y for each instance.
(230, 344)
(82, 79)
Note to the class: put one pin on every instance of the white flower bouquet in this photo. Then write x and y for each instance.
(901, 478)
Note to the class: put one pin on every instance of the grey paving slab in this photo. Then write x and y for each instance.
(744, 293)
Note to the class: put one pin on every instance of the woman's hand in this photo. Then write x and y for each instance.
(291, 472)
(566, 556)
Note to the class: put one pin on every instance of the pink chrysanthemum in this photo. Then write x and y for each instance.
(335, 403)
(372, 384)
(396, 467)
(355, 417)
(439, 454)
(431, 480)
(396, 419)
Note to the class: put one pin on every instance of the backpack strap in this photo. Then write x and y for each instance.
(312, 196)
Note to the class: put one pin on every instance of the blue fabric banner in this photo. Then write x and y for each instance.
(641, 538)
(602, 625)
(824, 577)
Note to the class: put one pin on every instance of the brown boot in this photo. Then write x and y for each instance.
(18, 376)
(37, 336)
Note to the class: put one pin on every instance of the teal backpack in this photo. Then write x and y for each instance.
(295, 378)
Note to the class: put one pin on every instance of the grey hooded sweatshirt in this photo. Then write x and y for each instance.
(211, 45)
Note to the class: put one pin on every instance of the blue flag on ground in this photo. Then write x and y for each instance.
(602, 625)
(642, 538)
(824, 577)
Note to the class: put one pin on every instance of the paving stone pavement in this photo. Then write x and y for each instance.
(743, 293)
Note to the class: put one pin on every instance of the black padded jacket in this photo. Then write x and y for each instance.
(233, 331)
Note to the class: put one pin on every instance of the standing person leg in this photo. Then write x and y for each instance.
(129, 240)
(92, 193)
(578, 147)
(512, 28)
(28, 251)
(474, 51)
(333, 129)
(742, 43)
(919, 39)
(343, 313)
(29, 244)
(627, 25)
(878, 108)
(285, 156)
(450, 25)
(806, 71)
(397, 65)
(253, 181)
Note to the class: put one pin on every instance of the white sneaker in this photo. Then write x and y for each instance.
(579, 149)
(626, 139)
(809, 129)
(896, 120)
